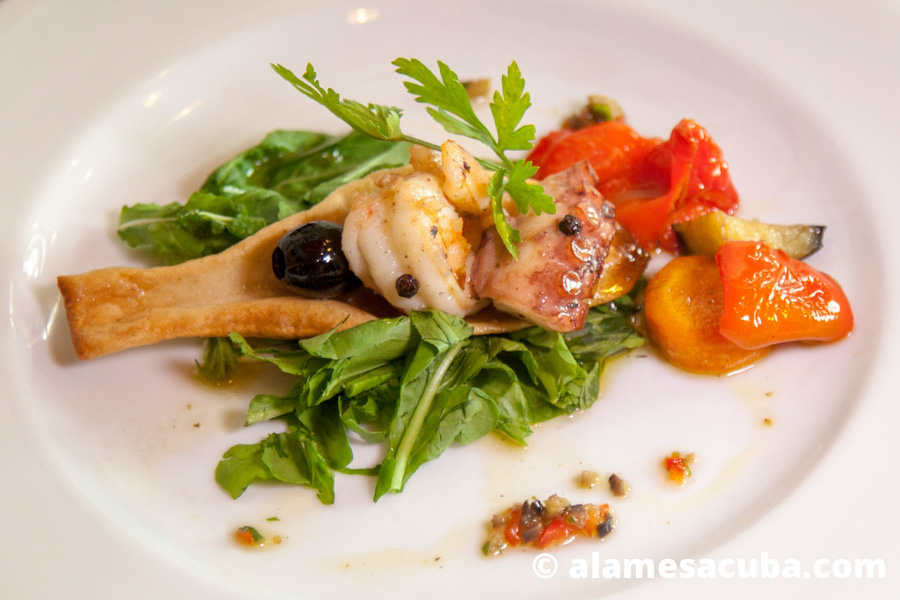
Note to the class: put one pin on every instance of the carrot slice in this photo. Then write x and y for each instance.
(683, 307)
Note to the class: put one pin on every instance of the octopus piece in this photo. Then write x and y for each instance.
(560, 255)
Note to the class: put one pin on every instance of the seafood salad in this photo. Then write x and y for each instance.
(425, 297)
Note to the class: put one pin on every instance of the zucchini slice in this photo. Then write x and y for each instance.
(705, 235)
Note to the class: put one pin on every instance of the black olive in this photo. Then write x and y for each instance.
(310, 260)
(407, 286)
(606, 527)
(532, 532)
(531, 514)
(570, 225)
(617, 486)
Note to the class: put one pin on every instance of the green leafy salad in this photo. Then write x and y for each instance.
(415, 384)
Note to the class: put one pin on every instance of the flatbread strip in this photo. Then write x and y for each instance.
(117, 308)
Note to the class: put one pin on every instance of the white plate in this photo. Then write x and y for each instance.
(107, 469)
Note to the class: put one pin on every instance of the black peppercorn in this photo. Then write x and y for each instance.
(570, 225)
(407, 286)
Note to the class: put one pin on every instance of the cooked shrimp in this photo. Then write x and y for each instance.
(465, 180)
(421, 227)
(410, 229)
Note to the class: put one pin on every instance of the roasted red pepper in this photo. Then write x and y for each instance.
(557, 532)
(770, 298)
(511, 531)
(611, 147)
(653, 183)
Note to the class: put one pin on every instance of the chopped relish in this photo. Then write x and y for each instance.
(588, 479)
(618, 486)
(249, 536)
(550, 523)
(678, 466)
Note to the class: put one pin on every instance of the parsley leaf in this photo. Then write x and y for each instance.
(508, 110)
(509, 236)
(448, 97)
(449, 105)
(381, 122)
(526, 194)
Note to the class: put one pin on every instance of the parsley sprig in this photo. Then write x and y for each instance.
(449, 105)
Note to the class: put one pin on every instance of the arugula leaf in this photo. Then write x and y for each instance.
(241, 466)
(417, 396)
(294, 458)
(294, 362)
(369, 415)
(514, 411)
(460, 414)
(449, 105)
(219, 360)
(441, 338)
(324, 423)
(607, 332)
(265, 407)
(287, 457)
(287, 172)
(419, 384)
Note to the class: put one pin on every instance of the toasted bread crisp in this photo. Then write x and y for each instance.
(117, 308)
